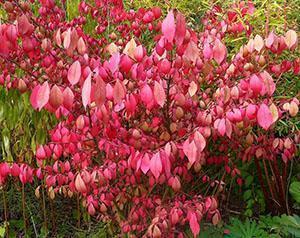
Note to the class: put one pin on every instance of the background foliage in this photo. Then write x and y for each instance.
(22, 128)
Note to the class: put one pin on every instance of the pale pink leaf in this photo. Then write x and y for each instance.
(193, 88)
(274, 112)
(258, 43)
(291, 39)
(190, 150)
(119, 92)
(130, 48)
(86, 91)
(192, 52)
(74, 73)
(228, 127)
(67, 38)
(199, 141)
(159, 94)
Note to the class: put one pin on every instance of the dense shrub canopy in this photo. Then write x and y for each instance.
(148, 108)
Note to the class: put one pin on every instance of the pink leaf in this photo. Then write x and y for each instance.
(74, 73)
(264, 116)
(270, 40)
(86, 91)
(222, 127)
(114, 61)
(159, 94)
(119, 92)
(207, 51)
(156, 165)
(146, 94)
(68, 98)
(145, 163)
(34, 95)
(40, 96)
(180, 29)
(168, 27)
(190, 150)
(256, 84)
(194, 225)
(219, 51)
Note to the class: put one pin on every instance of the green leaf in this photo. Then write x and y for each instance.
(295, 191)
(2, 231)
(247, 194)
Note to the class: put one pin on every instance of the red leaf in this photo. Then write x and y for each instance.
(219, 51)
(156, 165)
(74, 73)
(180, 29)
(119, 92)
(194, 225)
(168, 27)
(100, 91)
(86, 91)
(159, 94)
(264, 116)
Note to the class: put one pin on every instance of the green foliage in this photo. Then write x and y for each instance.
(266, 227)
(295, 191)
(72, 9)
(21, 127)
(193, 9)
(247, 229)
(283, 226)
(2, 230)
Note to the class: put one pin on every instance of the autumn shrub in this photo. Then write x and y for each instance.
(149, 110)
